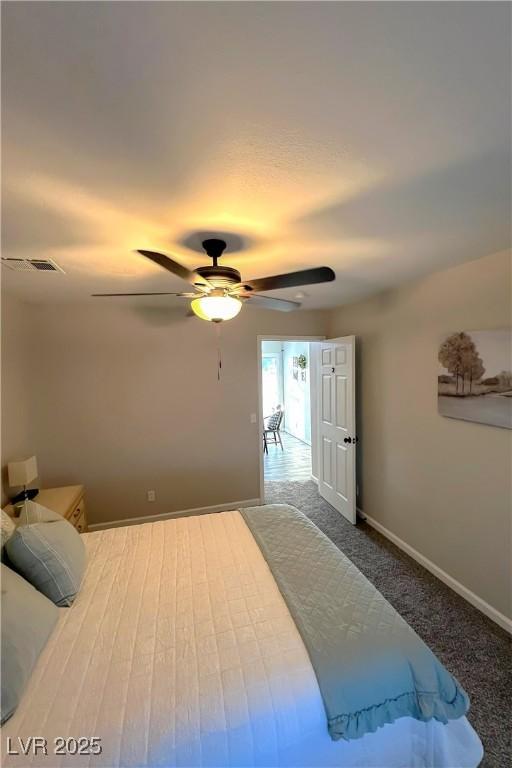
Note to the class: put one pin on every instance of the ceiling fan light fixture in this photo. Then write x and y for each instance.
(215, 309)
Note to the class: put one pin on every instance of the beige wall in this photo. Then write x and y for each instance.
(128, 400)
(112, 396)
(442, 485)
(17, 427)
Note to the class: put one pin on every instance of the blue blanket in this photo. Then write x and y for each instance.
(372, 668)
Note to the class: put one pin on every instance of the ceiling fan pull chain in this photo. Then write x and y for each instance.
(219, 354)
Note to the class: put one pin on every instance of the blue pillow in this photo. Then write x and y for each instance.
(51, 555)
(28, 619)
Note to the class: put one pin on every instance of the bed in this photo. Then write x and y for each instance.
(180, 651)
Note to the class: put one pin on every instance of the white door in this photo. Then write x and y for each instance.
(337, 427)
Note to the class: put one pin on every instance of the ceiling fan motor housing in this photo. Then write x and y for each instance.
(221, 277)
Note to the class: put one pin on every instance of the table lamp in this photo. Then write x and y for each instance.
(22, 473)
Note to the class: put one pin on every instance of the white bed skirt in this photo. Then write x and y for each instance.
(180, 651)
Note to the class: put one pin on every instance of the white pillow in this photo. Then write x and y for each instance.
(7, 528)
(32, 512)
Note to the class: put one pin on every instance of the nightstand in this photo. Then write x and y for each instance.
(68, 501)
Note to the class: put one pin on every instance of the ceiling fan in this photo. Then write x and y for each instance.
(219, 291)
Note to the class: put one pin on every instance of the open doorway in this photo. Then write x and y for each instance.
(286, 402)
(307, 420)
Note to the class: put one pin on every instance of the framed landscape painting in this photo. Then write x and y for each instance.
(475, 377)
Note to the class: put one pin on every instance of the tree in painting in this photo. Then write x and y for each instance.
(459, 355)
(504, 381)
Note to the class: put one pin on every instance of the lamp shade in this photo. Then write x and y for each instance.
(22, 472)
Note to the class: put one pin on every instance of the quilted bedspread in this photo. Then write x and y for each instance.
(180, 651)
(372, 668)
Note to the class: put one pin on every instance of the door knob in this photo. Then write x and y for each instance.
(347, 440)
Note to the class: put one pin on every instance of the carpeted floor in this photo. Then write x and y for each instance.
(471, 646)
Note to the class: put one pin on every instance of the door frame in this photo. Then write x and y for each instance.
(259, 339)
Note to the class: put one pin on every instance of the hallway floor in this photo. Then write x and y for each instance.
(292, 463)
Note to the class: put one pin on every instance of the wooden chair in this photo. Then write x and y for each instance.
(273, 428)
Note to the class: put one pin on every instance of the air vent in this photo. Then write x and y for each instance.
(31, 265)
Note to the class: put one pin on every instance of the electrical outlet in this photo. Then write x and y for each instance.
(151, 496)
(253, 418)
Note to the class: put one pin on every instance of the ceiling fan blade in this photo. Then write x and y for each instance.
(194, 278)
(291, 279)
(267, 302)
(159, 293)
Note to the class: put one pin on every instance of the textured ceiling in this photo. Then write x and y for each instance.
(370, 137)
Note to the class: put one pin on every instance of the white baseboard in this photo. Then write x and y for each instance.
(177, 513)
(314, 479)
(461, 590)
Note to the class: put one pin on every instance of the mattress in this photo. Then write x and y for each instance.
(180, 651)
